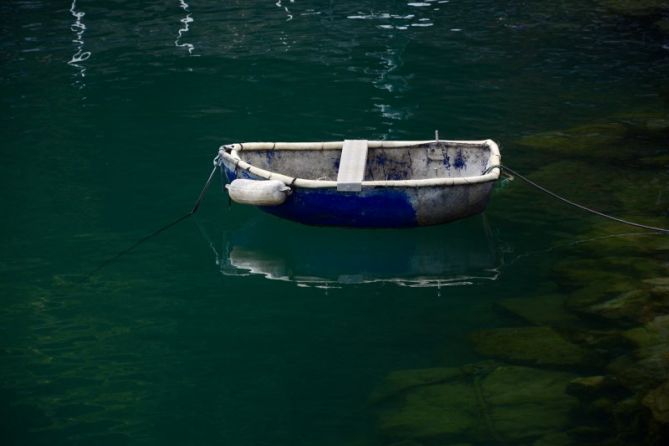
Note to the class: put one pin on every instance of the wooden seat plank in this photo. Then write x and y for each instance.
(352, 165)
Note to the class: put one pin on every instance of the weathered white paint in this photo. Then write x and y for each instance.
(311, 164)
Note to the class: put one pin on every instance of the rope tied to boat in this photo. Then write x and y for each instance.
(218, 161)
(196, 206)
(508, 170)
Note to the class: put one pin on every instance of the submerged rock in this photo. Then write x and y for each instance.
(624, 304)
(540, 346)
(527, 402)
(628, 306)
(590, 141)
(542, 310)
(438, 411)
(592, 387)
(635, 376)
(586, 385)
(656, 161)
(402, 380)
(554, 439)
(657, 400)
(623, 290)
(648, 365)
(501, 404)
(659, 289)
(622, 137)
(607, 342)
(611, 239)
(612, 272)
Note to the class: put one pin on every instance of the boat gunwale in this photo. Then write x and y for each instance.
(231, 153)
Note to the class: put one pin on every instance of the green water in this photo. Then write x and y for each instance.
(111, 114)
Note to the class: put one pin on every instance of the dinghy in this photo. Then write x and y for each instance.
(360, 183)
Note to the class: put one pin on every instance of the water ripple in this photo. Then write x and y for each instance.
(289, 16)
(78, 28)
(186, 21)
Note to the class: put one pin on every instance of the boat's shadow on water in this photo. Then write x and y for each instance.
(461, 253)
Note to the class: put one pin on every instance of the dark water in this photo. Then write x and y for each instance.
(241, 329)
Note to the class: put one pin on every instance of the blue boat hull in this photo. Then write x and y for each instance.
(379, 207)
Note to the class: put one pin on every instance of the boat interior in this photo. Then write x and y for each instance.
(438, 159)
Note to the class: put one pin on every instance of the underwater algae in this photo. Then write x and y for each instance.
(587, 360)
(480, 403)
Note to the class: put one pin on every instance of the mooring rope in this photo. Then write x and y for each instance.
(162, 229)
(572, 203)
(217, 163)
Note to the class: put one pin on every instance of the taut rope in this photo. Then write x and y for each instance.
(572, 203)
(162, 229)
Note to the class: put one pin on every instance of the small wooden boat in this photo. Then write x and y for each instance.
(362, 183)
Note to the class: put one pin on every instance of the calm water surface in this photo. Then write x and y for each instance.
(238, 328)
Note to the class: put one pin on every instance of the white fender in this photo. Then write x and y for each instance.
(258, 192)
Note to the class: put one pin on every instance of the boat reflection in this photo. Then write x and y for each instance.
(461, 253)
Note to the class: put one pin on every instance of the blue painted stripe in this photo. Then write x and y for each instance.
(378, 207)
(369, 208)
